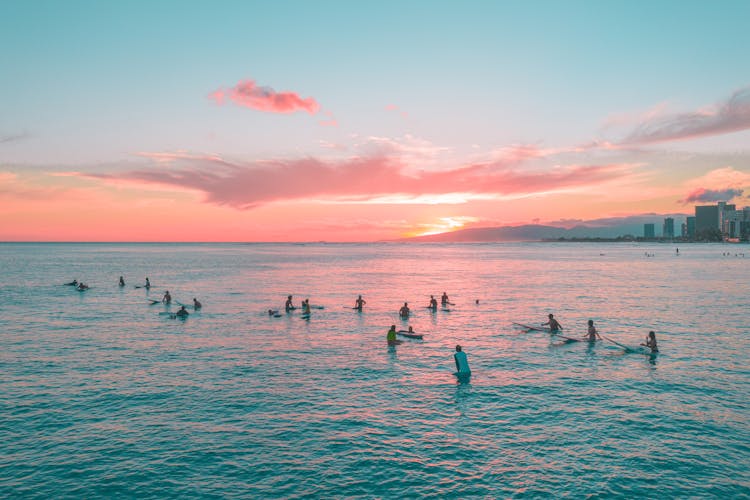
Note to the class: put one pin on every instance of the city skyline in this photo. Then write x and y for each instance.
(327, 121)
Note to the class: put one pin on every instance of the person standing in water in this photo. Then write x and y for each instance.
(592, 333)
(167, 299)
(433, 303)
(444, 299)
(462, 363)
(651, 342)
(288, 306)
(306, 306)
(391, 336)
(122, 281)
(359, 303)
(553, 324)
(404, 311)
(148, 283)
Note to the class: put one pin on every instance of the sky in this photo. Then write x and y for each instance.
(364, 121)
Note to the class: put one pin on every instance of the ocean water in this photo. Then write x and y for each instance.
(104, 395)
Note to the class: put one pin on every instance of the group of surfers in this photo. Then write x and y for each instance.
(166, 298)
(592, 335)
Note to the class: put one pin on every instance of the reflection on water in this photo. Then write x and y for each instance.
(103, 396)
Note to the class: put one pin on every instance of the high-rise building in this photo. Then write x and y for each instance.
(668, 228)
(690, 223)
(648, 231)
(706, 217)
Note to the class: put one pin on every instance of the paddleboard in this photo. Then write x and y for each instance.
(405, 333)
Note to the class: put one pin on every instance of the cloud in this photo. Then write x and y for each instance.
(706, 195)
(365, 179)
(732, 115)
(248, 94)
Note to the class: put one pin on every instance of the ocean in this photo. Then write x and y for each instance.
(104, 395)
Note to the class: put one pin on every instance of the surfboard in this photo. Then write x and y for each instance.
(533, 328)
(405, 333)
(570, 339)
(317, 307)
(305, 316)
(445, 309)
(639, 349)
(154, 302)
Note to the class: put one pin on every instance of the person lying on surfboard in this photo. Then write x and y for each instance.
(651, 342)
(553, 324)
(592, 333)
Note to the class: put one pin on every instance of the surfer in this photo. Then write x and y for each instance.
(289, 306)
(306, 306)
(82, 286)
(404, 311)
(444, 299)
(651, 342)
(433, 303)
(148, 283)
(391, 336)
(72, 283)
(122, 281)
(196, 305)
(359, 303)
(182, 313)
(167, 299)
(462, 364)
(592, 333)
(554, 326)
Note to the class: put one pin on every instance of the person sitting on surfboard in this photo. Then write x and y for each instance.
(554, 326)
(404, 311)
(182, 313)
(167, 299)
(122, 281)
(359, 303)
(651, 342)
(462, 364)
(196, 305)
(433, 303)
(289, 306)
(391, 336)
(306, 306)
(592, 333)
(444, 299)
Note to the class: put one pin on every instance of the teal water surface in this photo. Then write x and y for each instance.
(104, 395)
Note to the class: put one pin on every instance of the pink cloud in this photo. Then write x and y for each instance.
(732, 115)
(359, 179)
(248, 94)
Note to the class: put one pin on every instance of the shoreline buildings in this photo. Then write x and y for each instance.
(720, 222)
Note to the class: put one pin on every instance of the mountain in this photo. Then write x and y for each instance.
(600, 228)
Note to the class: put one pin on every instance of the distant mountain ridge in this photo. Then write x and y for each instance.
(536, 232)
